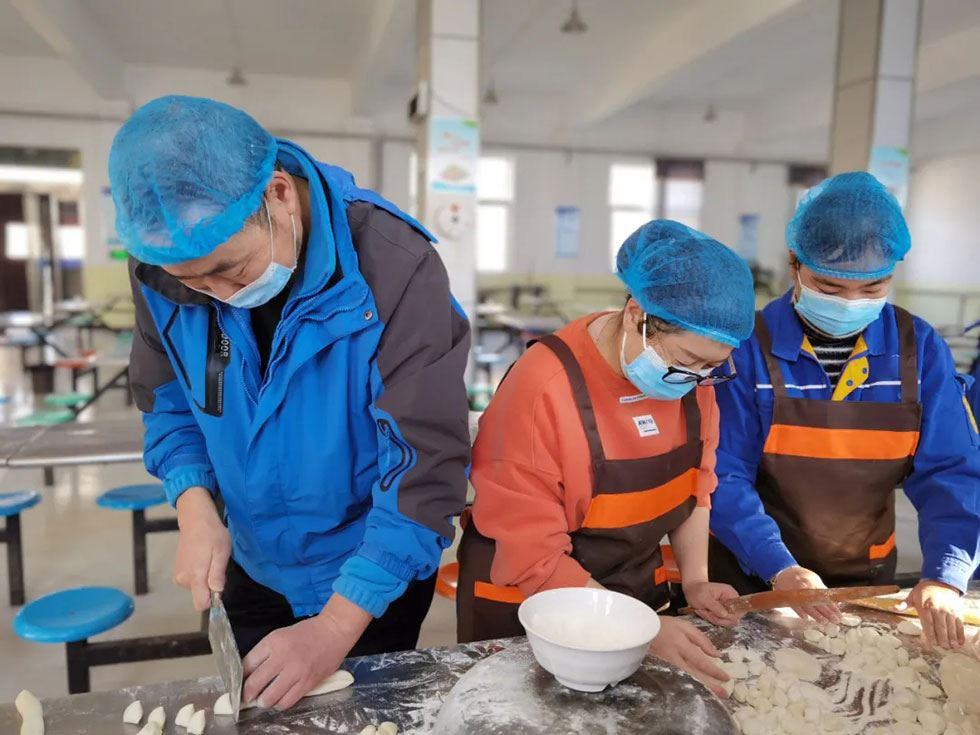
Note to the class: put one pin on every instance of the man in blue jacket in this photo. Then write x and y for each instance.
(299, 361)
(842, 397)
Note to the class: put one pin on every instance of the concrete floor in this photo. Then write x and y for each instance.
(69, 541)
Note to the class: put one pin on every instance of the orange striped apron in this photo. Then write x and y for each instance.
(828, 475)
(635, 503)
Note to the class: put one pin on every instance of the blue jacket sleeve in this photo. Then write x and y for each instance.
(173, 446)
(421, 414)
(945, 478)
(738, 518)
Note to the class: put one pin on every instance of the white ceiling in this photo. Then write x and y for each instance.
(310, 38)
(770, 81)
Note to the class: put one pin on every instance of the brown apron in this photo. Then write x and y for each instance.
(635, 503)
(828, 476)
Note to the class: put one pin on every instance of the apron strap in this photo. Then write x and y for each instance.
(908, 361)
(579, 391)
(692, 416)
(772, 364)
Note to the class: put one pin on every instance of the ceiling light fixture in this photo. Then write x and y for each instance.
(574, 24)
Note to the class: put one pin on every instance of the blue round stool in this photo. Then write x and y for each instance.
(136, 499)
(71, 617)
(11, 505)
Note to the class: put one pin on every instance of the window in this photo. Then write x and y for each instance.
(495, 197)
(682, 183)
(682, 201)
(18, 240)
(631, 202)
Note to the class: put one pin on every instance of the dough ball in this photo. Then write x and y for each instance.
(812, 635)
(184, 715)
(369, 730)
(222, 705)
(905, 676)
(133, 714)
(919, 664)
(728, 687)
(850, 620)
(740, 692)
(158, 716)
(756, 667)
(151, 728)
(737, 654)
(910, 626)
(932, 723)
(798, 663)
(735, 670)
(930, 691)
(960, 675)
(387, 728)
(197, 723)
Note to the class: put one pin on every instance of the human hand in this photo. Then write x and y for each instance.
(203, 547)
(798, 578)
(707, 600)
(939, 610)
(685, 646)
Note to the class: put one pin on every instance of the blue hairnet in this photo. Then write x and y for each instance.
(688, 279)
(185, 174)
(849, 226)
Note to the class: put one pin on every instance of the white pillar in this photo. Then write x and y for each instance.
(448, 137)
(874, 89)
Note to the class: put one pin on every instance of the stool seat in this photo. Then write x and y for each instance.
(73, 363)
(448, 580)
(133, 497)
(67, 399)
(73, 615)
(13, 503)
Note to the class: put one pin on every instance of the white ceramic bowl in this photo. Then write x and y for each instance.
(587, 638)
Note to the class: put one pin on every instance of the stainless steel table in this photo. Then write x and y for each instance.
(103, 441)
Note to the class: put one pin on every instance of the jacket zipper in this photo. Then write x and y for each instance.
(242, 326)
(305, 316)
(389, 479)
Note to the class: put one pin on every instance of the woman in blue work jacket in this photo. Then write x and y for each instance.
(845, 397)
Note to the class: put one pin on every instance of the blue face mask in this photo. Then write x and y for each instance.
(836, 316)
(273, 279)
(647, 373)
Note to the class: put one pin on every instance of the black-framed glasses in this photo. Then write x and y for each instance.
(678, 375)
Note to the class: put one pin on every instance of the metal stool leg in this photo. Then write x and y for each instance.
(49, 477)
(139, 552)
(78, 668)
(15, 560)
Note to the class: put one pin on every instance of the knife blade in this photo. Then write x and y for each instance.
(225, 651)
(792, 598)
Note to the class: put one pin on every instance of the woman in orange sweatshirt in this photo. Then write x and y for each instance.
(601, 441)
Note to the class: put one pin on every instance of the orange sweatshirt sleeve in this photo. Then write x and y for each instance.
(521, 497)
(707, 479)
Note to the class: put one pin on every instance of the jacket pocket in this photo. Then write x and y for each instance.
(402, 452)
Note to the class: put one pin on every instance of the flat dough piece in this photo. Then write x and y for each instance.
(31, 714)
(151, 728)
(387, 728)
(910, 627)
(222, 705)
(850, 620)
(333, 683)
(959, 675)
(800, 663)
